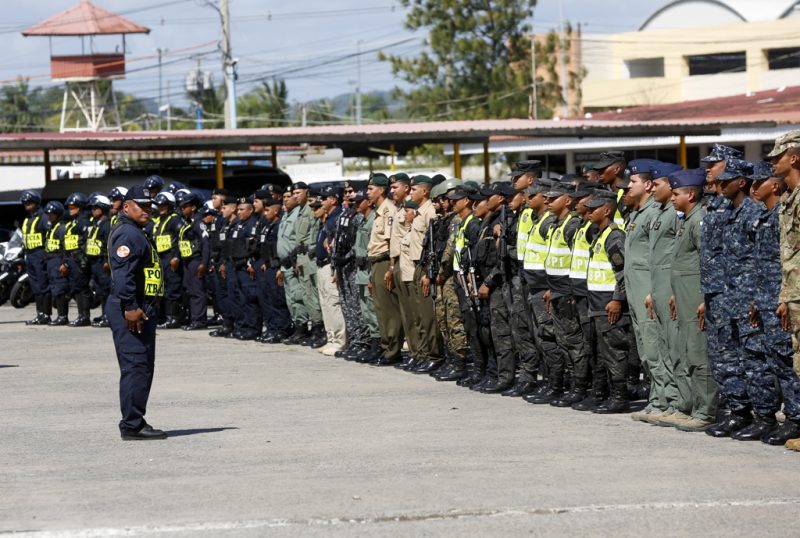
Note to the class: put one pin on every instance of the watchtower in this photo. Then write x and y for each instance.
(89, 102)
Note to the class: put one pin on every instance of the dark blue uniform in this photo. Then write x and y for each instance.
(738, 264)
(96, 245)
(244, 251)
(768, 350)
(194, 249)
(75, 233)
(34, 230)
(271, 297)
(136, 283)
(166, 236)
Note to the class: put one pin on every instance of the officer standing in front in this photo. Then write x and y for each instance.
(34, 228)
(131, 310)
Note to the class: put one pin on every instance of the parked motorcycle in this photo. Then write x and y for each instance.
(14, 283)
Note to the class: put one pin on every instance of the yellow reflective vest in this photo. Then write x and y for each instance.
(600, 276)
(559, 255)
(524, 225)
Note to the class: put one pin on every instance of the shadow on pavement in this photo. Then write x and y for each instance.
(9, 365)
(195, 431)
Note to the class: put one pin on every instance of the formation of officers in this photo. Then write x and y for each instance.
(634, 281)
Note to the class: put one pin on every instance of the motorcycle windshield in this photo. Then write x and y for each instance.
(16, 240)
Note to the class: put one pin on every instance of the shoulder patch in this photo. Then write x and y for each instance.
(123, 251)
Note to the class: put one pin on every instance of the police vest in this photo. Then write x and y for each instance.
(580, 253)
(536, 247)
(559, 255)
(524, 225)
(163, 240)
(71, 239)
(113, 220)
(93, 244)
(460, 242)
(618, 219)
(153, 281)
(53, 242)
(600, 275)
(31, 238)
(187, 247)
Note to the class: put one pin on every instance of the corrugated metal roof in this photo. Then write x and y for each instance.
(780, 106)
(357, 138)
(85, 19)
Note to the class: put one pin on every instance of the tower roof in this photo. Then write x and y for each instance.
(85, 18)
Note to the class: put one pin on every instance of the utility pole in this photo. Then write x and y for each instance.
(229, 65)
(564, 95)
(169, 110)
(160, 101)
(358, 86)
(534, 113)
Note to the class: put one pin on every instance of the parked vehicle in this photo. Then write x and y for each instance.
(12, 269)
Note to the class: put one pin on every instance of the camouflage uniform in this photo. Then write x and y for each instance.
(344, 263)
(739, 264)
(790, 265)
(448, 310)
(362, 274)
(712, 283)
(768, 351)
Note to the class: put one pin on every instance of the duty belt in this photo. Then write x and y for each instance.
(384, 256)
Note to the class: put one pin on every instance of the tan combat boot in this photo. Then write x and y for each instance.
(793, 444)
(641, 416)
(693, 425)
(673, 420)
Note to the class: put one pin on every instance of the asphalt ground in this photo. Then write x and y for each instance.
(280, 440)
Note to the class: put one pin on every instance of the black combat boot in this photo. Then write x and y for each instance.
(62, 308)
(790, 429)
(554, 391)
(300, 332)
(756, 430)
(576, 394)
(619, 402)
(736, 420)
(83, 312)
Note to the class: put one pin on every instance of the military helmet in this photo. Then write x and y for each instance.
(101, 201)
(30, 196)
(77, 199)
(54, 207)
(118, 193)
(175, 186)
(154, 182)
(164, 198)
(185, 197)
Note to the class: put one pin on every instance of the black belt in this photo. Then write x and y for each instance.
(379, 258)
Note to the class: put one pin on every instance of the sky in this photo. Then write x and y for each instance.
(312, 44)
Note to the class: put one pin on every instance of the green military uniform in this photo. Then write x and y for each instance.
(287, 247)
(662, 245)
(365, 303)
(638, 286)
(789, 219)
(448, 308)
(685, 280)
(306, 228)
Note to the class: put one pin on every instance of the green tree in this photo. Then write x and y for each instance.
(373, 108)
(466, 70)
(265, 106)
(212, 105)
(20, 108)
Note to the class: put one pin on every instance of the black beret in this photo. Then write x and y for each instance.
(299, 185)
(222, 192)
(272, 201)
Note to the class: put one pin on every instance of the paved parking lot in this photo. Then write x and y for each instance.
(281, 440)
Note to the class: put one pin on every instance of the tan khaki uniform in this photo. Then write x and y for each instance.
(386, 303)
(429, 337)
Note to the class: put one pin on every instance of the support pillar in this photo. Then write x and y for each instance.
(392, 167)
(274, 156)
(486, 176)
(48, 177)
(457, 160)
(220, 178)
(682, 152)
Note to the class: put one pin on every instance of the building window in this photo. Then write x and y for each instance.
(788, 58)
(645, 67)
(711, 64)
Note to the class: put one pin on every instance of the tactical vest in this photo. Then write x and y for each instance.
(163, 240)
(460, 242)
(113, 220)
(580, 253)
(71, 239)
(31, 238)
(524, 225)
(94, 246)
(536, 247)
(186, 246)
(153, 281)
(53, 242)
(600, 275)
(559, 255)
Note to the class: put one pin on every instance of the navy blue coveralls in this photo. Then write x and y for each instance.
(165, 236)
(271, 297)
(244, 242)
(96, 243)
(193, 245)
(75, 230)
(34, 229)
(54, 252)
(136, 283)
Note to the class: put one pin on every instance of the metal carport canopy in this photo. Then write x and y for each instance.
(356, 140)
